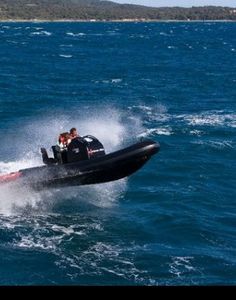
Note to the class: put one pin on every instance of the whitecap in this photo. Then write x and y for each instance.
(29, 242)
(163, 131)
(156, 131)
(214, 118)
(196, 132)
(65, 55)
(118, 80)
(181, 265)
(221, 144)
(205, 119)
(44, 33)
(64, 45)
(67, 230)
(142, 107)
(163, 33)
(75, 34)
(216, 144)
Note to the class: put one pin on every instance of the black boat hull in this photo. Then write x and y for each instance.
(107, 168)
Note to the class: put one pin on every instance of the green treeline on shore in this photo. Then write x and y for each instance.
(106, 10)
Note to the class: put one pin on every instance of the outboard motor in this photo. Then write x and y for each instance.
(84, 148)
(94, 147)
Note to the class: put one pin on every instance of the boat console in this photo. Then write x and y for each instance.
(80, 148)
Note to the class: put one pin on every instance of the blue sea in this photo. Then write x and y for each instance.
(171, 223)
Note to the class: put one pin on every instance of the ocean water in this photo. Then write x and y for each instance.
(171, 223)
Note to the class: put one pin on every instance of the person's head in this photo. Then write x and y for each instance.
(73, 132)
(64, 137)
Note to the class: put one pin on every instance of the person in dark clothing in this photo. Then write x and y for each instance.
(73, 133)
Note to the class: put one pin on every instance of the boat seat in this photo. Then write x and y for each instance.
(59, 156)
(47, 160)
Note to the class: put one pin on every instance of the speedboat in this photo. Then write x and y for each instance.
(84, 162)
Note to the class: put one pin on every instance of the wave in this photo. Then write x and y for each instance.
(181, 265)
(164, 34)
(43, 33)
(156, 131)
(52, 234)
(220, 145)
(75, 34)
(66, 55)
(213, 119)
(160, 114)
(159, 121)
(108, 81)
(196, 132)
(116, 80)
(66, 45)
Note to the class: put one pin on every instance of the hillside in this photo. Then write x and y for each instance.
(105, 10)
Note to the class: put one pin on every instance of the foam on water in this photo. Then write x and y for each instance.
(156, 131)
(181, 265)
(196, 132)
(220, 145)
(192, 121)
(43, 33)
(212, 119)
(42, 234)
(65, 55)
(76, 34)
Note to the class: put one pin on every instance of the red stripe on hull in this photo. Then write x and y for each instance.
(9, 177)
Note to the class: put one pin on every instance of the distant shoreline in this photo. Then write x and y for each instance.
(107, 21)
(108, 11)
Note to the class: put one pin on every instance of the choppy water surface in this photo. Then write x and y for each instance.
(171, 223)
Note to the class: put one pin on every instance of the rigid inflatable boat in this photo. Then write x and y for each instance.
(83, 162)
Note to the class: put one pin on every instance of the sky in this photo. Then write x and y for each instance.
(184, 3)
